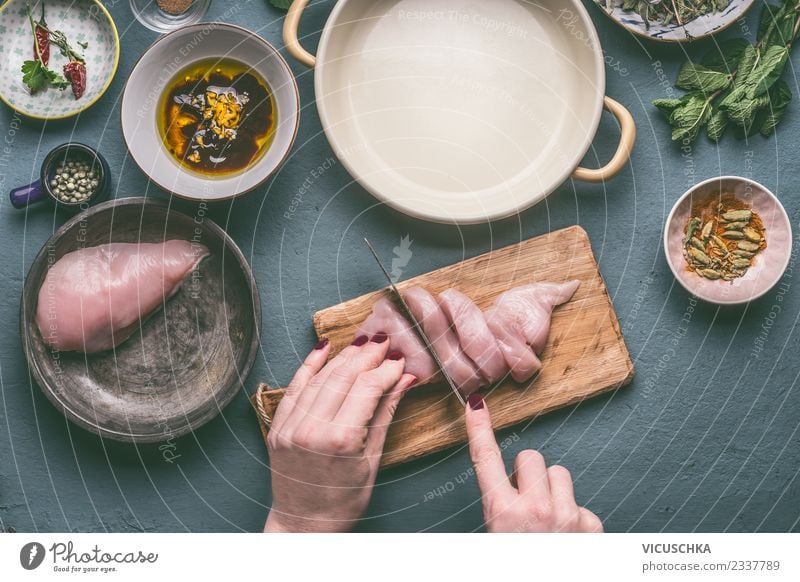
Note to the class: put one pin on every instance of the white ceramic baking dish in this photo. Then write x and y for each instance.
(461, 111)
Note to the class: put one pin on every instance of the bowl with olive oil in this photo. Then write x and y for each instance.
(210, 112)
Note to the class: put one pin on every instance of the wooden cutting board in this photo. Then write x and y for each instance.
(585, 353)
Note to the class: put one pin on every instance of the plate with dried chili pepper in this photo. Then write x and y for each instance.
(728, 240)
(59, 56)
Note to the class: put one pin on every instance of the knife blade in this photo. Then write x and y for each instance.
(416, 325)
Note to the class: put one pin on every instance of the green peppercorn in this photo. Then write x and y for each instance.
(74, 181)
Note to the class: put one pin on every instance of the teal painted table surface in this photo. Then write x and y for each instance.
(705, 438)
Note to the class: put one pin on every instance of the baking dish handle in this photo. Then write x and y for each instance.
(290, 26)
(623, 153)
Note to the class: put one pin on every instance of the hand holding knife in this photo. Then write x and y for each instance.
(416, 326)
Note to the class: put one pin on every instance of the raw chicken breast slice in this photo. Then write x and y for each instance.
(93, 299)
(434, 322)
(386, 318)
(474, 336)
(520, 317)
(518, 355)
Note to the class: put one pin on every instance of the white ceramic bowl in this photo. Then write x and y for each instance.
(769, 264)
(151, 76)
(81, 21)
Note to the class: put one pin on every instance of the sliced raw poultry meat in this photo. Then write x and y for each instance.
(474, 336)
(476, 348)
(520, 318)
(519, 356)
(94, 299)
(386, 318)
(436, 326)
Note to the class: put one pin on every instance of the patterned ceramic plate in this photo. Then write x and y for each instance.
(81, 21)
(674, 32)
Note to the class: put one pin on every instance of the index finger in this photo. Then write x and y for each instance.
(490, 470)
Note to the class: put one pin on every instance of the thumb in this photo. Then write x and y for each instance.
(384, 414)
(490, 470)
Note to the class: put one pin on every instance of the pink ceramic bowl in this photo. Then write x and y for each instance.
(769, 265)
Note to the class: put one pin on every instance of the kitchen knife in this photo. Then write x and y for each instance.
(417, 327)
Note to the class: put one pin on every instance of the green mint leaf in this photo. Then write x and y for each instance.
(771, 121)
(780, 97)
(733, 96)
(726, 55)
(767, 22)
(747, 62)
(694, 77)
(716, 125)
(281, 4)
(687, 119)
(743, 112)
(783, 33)
(667, 105)
(767, 71)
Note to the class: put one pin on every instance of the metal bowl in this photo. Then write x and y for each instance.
(189, 358)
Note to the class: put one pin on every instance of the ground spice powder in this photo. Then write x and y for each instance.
(174, 7)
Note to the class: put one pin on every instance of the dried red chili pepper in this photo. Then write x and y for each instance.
(41, 40)
(75, 72)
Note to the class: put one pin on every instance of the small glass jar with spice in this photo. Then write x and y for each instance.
(167, 15)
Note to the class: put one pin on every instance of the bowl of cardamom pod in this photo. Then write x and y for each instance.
(728, 240)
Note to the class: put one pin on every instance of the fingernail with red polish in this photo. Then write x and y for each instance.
(475, 401)
(394, 355)
(321, 343)
(360, 341)
(379, 337)
(413, 382)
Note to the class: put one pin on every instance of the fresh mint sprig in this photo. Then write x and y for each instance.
(739, 84)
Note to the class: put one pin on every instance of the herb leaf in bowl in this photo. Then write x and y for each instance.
(36, 77)
(669, 11)
(738, 83)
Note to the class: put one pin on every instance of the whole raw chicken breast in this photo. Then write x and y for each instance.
(94, 299)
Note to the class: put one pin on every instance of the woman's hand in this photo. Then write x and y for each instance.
(535, 499)
(327, 437)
